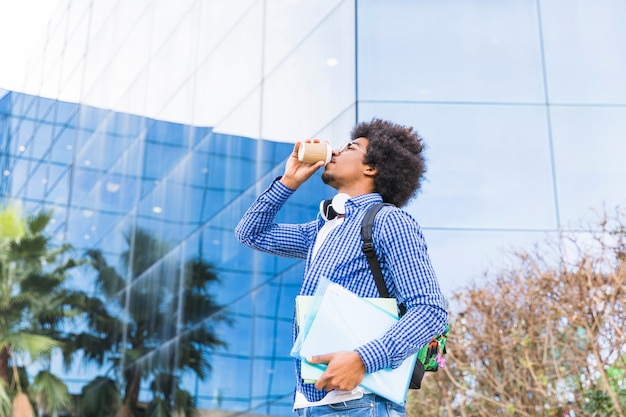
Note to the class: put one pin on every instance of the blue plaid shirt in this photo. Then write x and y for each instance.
(403, 257)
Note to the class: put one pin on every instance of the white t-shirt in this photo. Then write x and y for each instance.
(324, 232)
(334, 396)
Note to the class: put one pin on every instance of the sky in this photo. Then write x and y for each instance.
(22, 28)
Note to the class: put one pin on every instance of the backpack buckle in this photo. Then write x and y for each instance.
(368, 249)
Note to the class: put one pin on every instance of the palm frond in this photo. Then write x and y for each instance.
(29, 250)
(53, 253)
(95, 349)
(5, 399)
(50, 392)
(100, 397)
(147, 250)
(38, 222)
(185, 404)
(68, 265)
(33, 344)
(109, 282)
(40, 283)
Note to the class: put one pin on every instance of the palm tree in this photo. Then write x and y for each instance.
(100, 397)
(34, 305)
(153, 327)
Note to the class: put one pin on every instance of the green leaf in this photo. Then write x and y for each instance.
(51, 392)
(100, 397)
(5, 400)
(33, 344)
(38, 222)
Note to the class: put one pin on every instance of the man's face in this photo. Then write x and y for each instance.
(346, 166)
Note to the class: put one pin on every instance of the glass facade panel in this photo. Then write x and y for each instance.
(454, 51)
(316, 80)
(589, 150)
(231, 70)
(582, 42)
(62, 150)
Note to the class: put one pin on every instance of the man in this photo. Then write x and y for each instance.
(382, 162)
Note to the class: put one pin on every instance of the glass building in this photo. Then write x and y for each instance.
(171, 117)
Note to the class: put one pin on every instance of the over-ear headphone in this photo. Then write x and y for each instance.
(329, 209)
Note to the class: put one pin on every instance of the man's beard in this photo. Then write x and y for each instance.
(327, 178)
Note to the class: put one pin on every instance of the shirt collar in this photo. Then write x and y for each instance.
(361, 202)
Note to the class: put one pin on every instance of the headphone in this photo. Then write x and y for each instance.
(329, 209)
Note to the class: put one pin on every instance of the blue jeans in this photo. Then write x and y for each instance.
(370, 405)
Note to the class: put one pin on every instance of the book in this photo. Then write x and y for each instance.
(308, 372)
(336, 319)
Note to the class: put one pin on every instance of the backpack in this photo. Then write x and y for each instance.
(430, 357)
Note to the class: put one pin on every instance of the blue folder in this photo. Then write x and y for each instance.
(340, 320)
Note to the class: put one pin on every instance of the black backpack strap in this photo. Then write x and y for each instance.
(368, 248)
(372, 260)
(370, 253)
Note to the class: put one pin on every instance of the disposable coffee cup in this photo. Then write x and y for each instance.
(314, 152)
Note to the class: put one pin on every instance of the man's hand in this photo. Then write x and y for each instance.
(296, 171)
(345, 371)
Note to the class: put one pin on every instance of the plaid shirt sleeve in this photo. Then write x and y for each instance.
(410, 278)
(257, 228)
